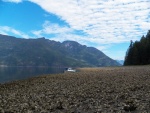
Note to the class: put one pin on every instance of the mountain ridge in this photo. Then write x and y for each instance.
(44, 52)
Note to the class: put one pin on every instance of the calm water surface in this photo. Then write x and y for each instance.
(8, 74)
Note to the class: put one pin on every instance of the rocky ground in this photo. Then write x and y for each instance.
(92, 90)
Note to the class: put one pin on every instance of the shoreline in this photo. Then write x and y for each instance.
(111, 90)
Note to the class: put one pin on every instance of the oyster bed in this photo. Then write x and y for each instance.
(91, 90)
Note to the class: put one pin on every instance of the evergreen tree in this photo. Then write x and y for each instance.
(143, 50)
(138, 53)
(128, 56)
(135, 55)
(148, 46)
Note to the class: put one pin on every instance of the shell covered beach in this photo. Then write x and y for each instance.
(90, 90)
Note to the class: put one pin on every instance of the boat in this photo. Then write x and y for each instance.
(70, 70)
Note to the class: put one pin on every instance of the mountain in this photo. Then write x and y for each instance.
(44, 52)
(120, 61)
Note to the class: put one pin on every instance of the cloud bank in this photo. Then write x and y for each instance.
(102, 21)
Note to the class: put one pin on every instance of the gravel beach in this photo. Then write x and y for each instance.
(91, 90)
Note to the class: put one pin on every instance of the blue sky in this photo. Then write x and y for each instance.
(108, 25)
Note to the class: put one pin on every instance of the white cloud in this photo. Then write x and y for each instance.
(103, 21)
(51, 28)
(61, 33)
(8, 30)
(15, 1)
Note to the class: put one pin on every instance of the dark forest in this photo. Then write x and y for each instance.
(138, 52)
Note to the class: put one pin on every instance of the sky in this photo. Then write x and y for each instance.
(108, 25)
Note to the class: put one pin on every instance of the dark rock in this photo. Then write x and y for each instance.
(131, 107)
(59, 106)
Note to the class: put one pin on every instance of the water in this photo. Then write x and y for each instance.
(8, 74)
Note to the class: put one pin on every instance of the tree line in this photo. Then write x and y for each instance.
(138, 52)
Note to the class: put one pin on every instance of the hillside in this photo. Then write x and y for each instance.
(43, 52)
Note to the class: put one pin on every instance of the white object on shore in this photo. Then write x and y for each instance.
(71, 70)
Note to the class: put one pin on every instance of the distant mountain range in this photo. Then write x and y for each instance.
(120, 61)
(45, 52)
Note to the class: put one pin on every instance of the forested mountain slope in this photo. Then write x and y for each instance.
(44, 52)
